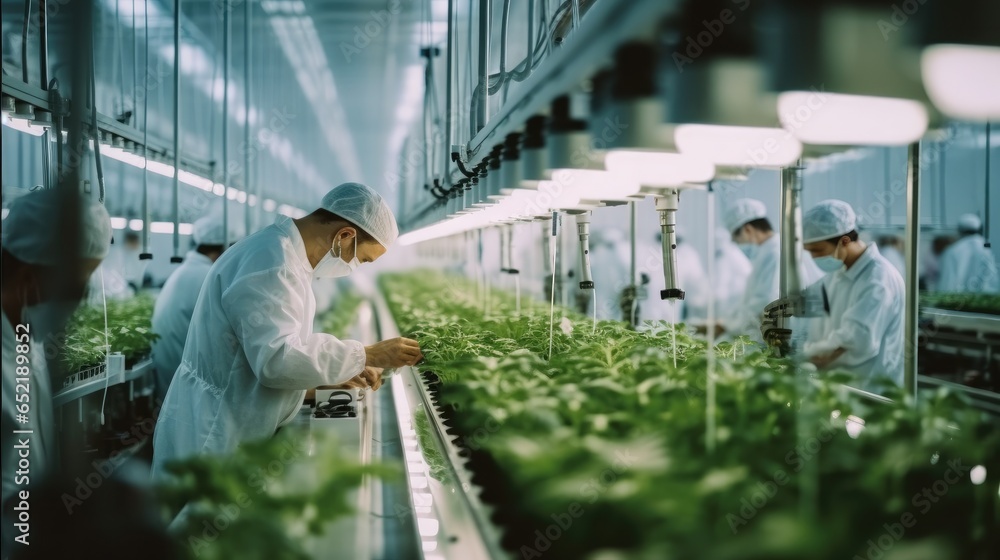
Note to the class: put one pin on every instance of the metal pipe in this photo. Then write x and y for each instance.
(227, 51)
(504, 24)
(43, 44)
(633, 223)
(986, 208)
(24, 40)
(912, 270)
(449, 70)
(530, 58)
(791, 231)
(485, 32)
(96, 130)
(583, 230)
(176, 258)
(145, 255)
(667, 205)
(576, 13)
(247, 68)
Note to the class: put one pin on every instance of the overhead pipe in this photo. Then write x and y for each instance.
(96, 130)
(504, 25)
(24, 40)
(485, 32)
(246, 115)
(145, 255)
(449, 133)
(43, 72)
(176, 258)
(226, 54)
(911, 317)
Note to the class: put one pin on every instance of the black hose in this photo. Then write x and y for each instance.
(24, 41)
(96, 131)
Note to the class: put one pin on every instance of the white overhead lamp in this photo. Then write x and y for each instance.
(160, 168)
(655, 171)
(269, 205)
(596, 186)
(193, 180)
(119, 223)
(963, 81)
(135, 225)
(738, 146)
(20, 116)
(847, 120)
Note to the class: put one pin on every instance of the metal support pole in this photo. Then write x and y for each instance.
(789, 284)
(227, 52)
(667, 205)
(176, 258)
(912, 270)
(145, 255)
(247, 68)
(986, 207)
(485, 32)
(449, 109)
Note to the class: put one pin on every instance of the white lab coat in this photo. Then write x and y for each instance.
(896, 259)
(732, 269)
(42, 439)
(172, 315)
(866, 319)
(967, 266)
(762, 287)
(250, 352)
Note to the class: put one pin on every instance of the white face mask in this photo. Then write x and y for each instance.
(333, 266)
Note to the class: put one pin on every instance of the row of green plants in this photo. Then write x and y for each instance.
(972, 303)
(130, 331)
(604, 449)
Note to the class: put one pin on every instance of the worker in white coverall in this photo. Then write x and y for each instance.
(35, 307)
(967, 265)
(863, 332)
(251, 353)
(746, 219)
(175, 304)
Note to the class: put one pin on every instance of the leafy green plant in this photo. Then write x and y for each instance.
(130, 332)
(971, 303)
(264, 499)
(562, 424)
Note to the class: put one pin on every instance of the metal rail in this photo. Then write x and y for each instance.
(464, 529)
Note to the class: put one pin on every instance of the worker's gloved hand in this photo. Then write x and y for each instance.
(371, 377)
(392, 353)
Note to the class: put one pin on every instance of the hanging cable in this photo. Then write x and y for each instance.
(504, 24)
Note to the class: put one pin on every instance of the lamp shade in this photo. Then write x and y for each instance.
(963, 81)
(738, 146)
(657, 169)
(846, 120)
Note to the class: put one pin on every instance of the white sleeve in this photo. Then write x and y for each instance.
(267, 311)
(859, 331)
(762, 289)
